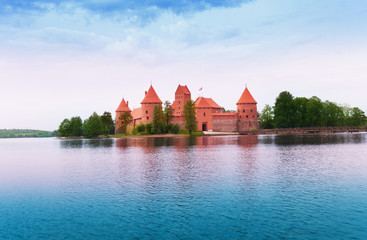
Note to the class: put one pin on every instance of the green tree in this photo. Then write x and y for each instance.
(332, 114)
(283, 110)
(125, 119)
(107, 121)
(158, 120)
(168, 113)
(189, 116)
(300, 111)
(76, 127)
(93, 126)
(314, 112)
(223, 110)
(266, 117)
(64, 128)
(357, 117)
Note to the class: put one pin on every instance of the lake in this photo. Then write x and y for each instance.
(210, 187)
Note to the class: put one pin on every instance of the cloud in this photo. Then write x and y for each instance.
(143, 10)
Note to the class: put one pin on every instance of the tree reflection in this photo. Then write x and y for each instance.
(315, 139)
(73, 143)
(87, 143)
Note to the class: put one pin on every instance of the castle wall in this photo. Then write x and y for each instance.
(225, 125)
(246, 125)
(204, 116)
(178, 120)
(118, 123)
(247, 114)
(180, 100)
(147, 110)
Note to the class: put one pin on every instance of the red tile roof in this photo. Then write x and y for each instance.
(123, 107)
(202, 102)
(246, 97)
(151, 97)
(183, 89)
(136, 113)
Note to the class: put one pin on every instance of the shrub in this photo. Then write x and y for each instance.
(174, 128)
(140, 128)
(148, 128)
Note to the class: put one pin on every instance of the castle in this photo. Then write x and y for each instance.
(209, 116)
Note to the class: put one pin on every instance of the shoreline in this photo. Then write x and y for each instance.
(250, 133)
(254, 133)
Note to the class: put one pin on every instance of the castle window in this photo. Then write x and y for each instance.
(146, 111)
(179, 102)
(246, 116)
(147, 118)
(244, 110)
(204, 114)
(253, 116)
(251, 110)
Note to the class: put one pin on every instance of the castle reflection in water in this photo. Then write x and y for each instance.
(181, 142)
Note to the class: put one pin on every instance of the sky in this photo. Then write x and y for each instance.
(65, 58)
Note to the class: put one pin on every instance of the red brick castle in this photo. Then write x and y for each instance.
(208, 113)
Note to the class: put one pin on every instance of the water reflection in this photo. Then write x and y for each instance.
(314, 139)
(184, 142)
(246, 141)
(87, 143)
(73, 143)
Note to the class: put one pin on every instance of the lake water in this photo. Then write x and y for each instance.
(217, 187)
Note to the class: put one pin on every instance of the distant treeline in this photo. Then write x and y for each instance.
(294, 112)
(23, 133)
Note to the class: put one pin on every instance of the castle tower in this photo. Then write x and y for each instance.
(123, 107)
(182, 94)
(247, 112)
(147, 105)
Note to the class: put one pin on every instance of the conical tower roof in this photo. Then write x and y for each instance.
(183, 89)
(202, 102)
(123, 107)
(246, 97)
(151, 96)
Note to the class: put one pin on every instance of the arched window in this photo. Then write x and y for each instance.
(246, 116)
(146, 111)
(147, 118)
(204, 114)
(244, 110)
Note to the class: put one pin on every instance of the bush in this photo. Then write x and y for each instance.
(174, 128)
(148, 128)
(140, 128)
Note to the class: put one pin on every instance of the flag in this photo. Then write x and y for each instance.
(201, 89)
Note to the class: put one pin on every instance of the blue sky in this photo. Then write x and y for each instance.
(60, 58)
